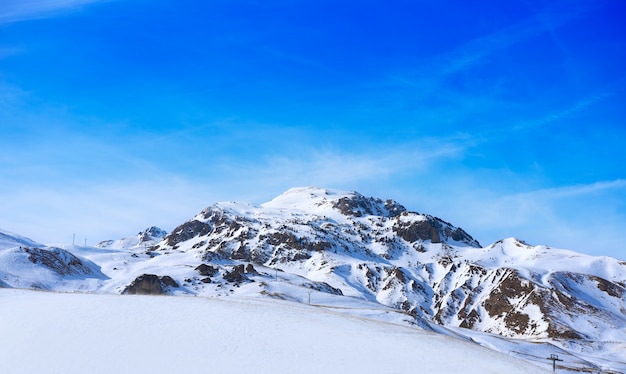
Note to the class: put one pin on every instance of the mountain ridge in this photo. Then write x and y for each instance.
(340, 244)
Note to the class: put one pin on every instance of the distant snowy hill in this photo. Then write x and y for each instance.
(27, 264)
(369, 257)
(146, 238)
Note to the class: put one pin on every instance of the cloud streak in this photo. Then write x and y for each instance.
(101, 210)
(578, 217)
(20, 10)
(573, 191)
(343, 169)
(475, 51)
(578, 106)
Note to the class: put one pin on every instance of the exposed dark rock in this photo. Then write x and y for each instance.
(286, 238)
(417, 230)
(395, 277)
(359, 205)
(609, 287)
(58, 260)
(250, 269)
(319, 246)
(459, 235)
(393, 208)
(240, 253)
(372, 279)
(470, 320)
(236, 275)
(199, 244)
(168, 281)
(324, 287)
(105, 243)
(150, 284)
(151, 233)
(206, 270)
(187, 231)
(500, 303)
(212, 256)
(510, 287)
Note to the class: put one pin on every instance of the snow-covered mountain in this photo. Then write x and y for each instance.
(353, 253)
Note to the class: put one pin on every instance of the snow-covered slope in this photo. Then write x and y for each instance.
(373, 258)
(133, 334)
(10, 240)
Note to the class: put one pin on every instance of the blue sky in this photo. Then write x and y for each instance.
(504, 118)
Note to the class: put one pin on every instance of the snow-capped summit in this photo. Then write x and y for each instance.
(305, 198)
(329, 202)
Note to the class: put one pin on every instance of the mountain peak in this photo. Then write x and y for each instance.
(349, 203)
(305, 197)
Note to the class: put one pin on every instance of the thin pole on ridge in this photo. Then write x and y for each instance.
(554, 359)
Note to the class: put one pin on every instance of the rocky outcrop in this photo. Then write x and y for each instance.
(206, 270)
(237, 274)
(187, 231)
(151, 234)
(413, 231)
(150, 284)
(59, 261)
(358, 205)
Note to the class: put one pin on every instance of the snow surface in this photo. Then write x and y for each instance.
(47, 332)
(9, 239)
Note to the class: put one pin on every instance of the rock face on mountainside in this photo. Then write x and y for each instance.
(377, 250)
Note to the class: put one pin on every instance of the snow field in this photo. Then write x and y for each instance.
(44, 332)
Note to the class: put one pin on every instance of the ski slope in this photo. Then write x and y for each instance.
(47, 332)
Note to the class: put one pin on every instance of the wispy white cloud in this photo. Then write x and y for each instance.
(572, 191)
(543, 205)
(434, 91)
(100, 211)
(578, 106)
(128, 191)
(583, 217)
(10, 96)
(477, 50)
(8, 51)
(20, 10)
(342, 169)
